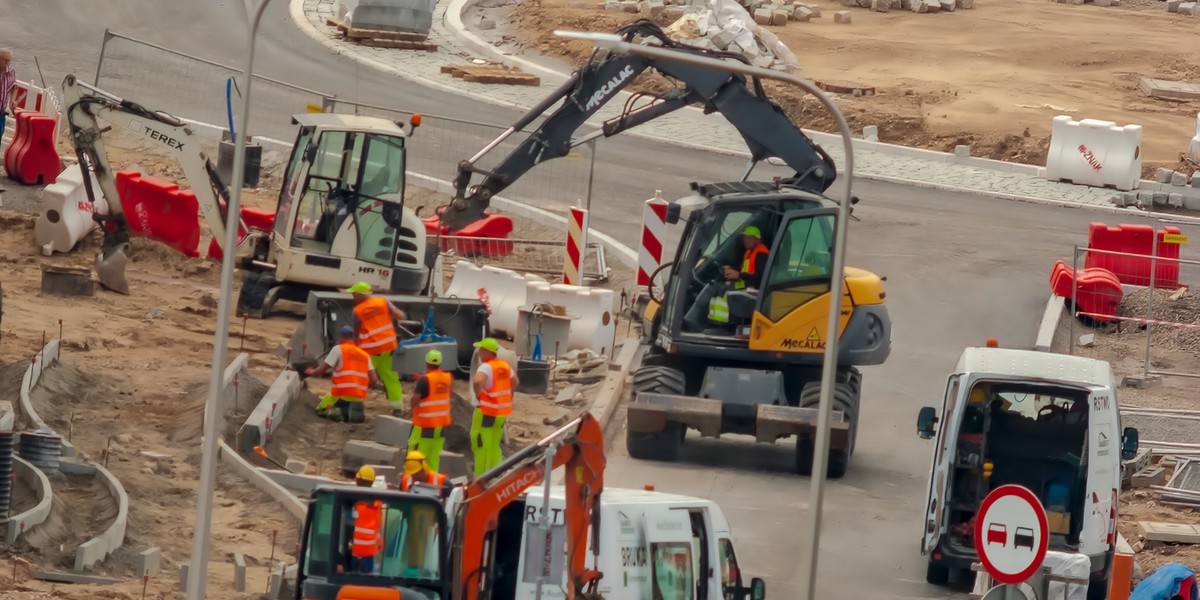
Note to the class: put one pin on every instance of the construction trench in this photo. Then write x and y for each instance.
(124, 392)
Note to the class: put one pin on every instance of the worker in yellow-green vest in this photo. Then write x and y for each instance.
(494, 382)
(754, 262)
(377, 336)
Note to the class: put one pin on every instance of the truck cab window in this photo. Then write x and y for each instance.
(731, 577)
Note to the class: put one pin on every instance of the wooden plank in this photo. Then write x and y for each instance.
(1178, 533)
(398, 44)
(378, 34)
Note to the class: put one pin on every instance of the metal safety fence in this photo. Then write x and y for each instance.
(542, 257)
(1144, 306)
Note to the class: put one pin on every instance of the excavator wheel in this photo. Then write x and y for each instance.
(663, 445)
(846, 394)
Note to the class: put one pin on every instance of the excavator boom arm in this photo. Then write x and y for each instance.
(579, 447)
(764, 126)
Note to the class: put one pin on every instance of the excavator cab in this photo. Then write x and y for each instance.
(409, 561)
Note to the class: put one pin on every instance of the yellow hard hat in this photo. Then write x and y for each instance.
(361, 287)
(433, 357)
(978, 395)
(752, 230)
(414, 462)
(366, 473)
(488, 344)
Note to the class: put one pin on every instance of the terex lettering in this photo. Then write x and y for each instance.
(167, 140)
(609, 87)
(516, 486)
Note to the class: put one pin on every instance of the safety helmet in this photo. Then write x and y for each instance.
(433, 357)
(360, 287)
(414, 462)
(366, 473)
(752, 230)
(488, 344)
(978, 395)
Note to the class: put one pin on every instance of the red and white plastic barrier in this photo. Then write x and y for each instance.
(505, 291)
(654, 228)
(1095, 153)
(577, 225)
(31, 136)
(66, 213)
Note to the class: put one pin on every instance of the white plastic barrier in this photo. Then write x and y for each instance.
(594, 327)
(66, 212)
(1194, 145)
(1095, 153)
(505, 291)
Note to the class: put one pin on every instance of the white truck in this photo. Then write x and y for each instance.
(652, 545)
(1049, 422)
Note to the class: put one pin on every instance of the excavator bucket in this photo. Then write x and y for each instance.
(110, 268)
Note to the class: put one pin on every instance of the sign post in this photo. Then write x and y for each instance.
(1011, 536)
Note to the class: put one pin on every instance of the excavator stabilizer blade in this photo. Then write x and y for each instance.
(110, 269)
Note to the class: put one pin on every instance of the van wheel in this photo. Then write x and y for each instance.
(1098, 586)
(846, 399)
(937, 574)
(661, 445)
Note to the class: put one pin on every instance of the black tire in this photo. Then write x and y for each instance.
(846, 395)
(662, 445)
(1098, 586)
(937, 574)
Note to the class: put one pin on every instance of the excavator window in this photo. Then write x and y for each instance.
(291, 180)
(800, 269)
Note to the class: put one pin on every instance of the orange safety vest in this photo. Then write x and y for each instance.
(434, 410)
(433, 478)
(350, 380)
(366, 541)
(748, 260)
(376, 335)
(497, 401)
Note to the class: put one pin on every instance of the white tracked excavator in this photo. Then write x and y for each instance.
(340, 216)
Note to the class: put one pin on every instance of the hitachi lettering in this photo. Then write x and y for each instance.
(529, 478)
(609, 87)
(158, 136)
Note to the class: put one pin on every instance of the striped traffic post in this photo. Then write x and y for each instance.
(654, 227)
(576, 244)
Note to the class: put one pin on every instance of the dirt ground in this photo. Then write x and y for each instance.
(113, 390)
(1173, 349)
(992, 77)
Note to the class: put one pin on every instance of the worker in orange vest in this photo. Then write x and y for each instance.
(377, 336)
(367, 540)
(431, 409)
(494, 382)
(417, 470)
(352, 375)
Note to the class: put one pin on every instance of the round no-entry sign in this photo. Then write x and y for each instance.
(1011, 534)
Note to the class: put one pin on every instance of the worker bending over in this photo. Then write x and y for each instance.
(352, 375)
(494, 382)
(431, 409)
(367, 540)
(417, 470)
(377, 336)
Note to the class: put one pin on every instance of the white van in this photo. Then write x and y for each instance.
(653, 545)
(1045, 421)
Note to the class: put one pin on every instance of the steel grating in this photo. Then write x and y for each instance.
(7, 443)
(42, 449)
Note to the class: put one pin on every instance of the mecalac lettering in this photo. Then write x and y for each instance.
(795, 344)
(158, 136)
(528, 479)
(608, 88)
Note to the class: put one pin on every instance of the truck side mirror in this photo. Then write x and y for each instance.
(926, 419)
(758, 589)
(673, 212)
(1129, 443)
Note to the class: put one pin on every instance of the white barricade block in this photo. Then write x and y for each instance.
(66, 213)
(593, 327)
(1095, 153)
(1194, 145)
(505, 291)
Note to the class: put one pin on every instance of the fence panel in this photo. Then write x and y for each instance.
(191, 87)
(542, 257)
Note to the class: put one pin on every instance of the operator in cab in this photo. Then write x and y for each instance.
(367, 539)
(754, 263)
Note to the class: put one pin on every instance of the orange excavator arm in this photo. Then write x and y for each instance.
(578, 446)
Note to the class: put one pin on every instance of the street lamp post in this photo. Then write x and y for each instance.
(614, 43)
(198, 568)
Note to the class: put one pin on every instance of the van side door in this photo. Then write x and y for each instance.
(672, 558)
(939, 470)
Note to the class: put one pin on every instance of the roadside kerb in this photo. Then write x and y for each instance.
(100, 547)
(293, 505)
(36, 480)
(266, 417)
(33, 374)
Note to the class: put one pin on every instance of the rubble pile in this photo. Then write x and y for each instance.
(1169, 306)
(1181, 7)
(917, 6)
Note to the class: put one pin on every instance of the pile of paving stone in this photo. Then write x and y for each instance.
(1096, 2)
(917, 6)
(1183, 8)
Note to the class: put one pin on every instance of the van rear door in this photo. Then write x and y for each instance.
(1098, 533)
(669, 545)
(939, 471)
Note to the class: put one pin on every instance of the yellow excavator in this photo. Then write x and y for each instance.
(756, 371)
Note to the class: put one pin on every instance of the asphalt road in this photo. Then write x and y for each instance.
(960, 269)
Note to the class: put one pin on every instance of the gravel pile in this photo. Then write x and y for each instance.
(1172, 306)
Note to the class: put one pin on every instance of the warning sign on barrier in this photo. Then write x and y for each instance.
(1175, 238)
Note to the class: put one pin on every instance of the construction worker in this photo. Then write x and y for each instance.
(431, 409)
(417, 470)
(377, 336)
(352, 375)
(754, 262)
(367, 540)
(494, 382)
